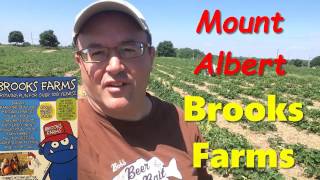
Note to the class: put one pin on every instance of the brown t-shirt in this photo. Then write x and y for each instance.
(158, 146)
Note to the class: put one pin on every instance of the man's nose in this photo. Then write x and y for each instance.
(115, 65)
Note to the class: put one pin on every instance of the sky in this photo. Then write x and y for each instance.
(177, 20)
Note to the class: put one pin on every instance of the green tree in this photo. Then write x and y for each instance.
(297, 62)
(48, 39)
(197, 53)
(315, 61)
(26, 44)
(189, 53)
(166, 49)
(15, 37)
(185, 53)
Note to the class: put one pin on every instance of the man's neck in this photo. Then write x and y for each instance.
(131, 113)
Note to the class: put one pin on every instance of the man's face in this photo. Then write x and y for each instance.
(116, 83)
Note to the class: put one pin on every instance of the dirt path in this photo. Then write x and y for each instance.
(169, 67)
(163, 72)
(316, 104)
(292, 136)
(256, 139)
(49, 51)
(294, 172)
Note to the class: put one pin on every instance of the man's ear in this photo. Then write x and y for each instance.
(77, 58)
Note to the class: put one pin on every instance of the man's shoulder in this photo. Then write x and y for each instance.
(84, 108)
(163, 106)
(168, 107)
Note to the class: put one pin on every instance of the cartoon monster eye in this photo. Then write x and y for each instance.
(65, 141)
(55, 144)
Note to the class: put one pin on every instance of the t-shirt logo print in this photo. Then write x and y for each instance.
(149, 170)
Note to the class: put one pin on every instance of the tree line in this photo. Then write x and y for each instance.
(46, 39)
(164, 48)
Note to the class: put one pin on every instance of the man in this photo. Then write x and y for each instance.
(125, 133)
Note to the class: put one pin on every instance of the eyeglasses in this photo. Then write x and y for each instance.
(126, 50)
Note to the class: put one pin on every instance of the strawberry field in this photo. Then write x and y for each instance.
(173, 78)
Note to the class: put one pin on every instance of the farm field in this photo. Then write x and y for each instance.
(173, 78)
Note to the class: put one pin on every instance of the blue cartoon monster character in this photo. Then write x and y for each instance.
(60, 148)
